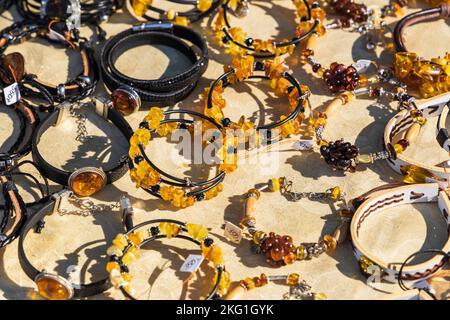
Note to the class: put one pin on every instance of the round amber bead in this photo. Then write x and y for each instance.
(112, 265)
(330, 242)
(293, 279)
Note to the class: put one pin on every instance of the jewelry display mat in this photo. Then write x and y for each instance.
(76, 246)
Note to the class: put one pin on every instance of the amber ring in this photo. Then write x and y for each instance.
(88, 180)
(126, 249)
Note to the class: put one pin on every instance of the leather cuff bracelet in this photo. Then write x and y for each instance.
(415, 193)
(28, 121)
(87, 180)
(52, 286)
(402, 130)
(165, 91)
(181, 192)
(140, 9)
(81, 86)
(443, 136)
(125, 250)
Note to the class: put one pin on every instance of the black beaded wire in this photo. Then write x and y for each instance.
(156, 236)
(203, 186)
(295, 40)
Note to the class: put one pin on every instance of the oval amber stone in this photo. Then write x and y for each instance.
(52, 289)
(87, 183)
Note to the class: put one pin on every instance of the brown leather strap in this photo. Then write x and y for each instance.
(17, 210)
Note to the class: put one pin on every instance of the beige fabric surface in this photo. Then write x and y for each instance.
(69, 241)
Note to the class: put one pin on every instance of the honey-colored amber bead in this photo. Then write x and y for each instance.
(215, 255)
(420, 120)
(364, 158)
(289, 258)
(85, 184)
(112, 265)
(120, 241)
(274, 184)
(136, 251)
(249, 283)
(330, 242)
(140, 6)
(301, 252)
(135, 239)
(415, 174)
(126, 277)
(258, 236)
(293, 279)
(169, 229)
(336, 193)
(52, 289)
(398, 148)
(166, 193)
(204, 5)
(182, 21)
(128, 258)
(166, 128)
(171, 14)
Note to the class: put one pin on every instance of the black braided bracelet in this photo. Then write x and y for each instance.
(165, 91)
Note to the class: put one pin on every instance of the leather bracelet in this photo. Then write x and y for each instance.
(402, 130)
(414, 193)
(140, 9)
(125, 250)
(443, 136)
(181, 192)
(52, 286)
(22, 146)
(166, 91)
(87, 180)
(5, 4)
(75, 89)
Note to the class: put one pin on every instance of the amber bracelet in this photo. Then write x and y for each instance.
(239, 44)
(280, 250)
(299, 288)
(126, 248)
(429, 77)
(180, 192)
(202, 8)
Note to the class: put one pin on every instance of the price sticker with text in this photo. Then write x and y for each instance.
(11, 94)
(192, 263)
(233, 232)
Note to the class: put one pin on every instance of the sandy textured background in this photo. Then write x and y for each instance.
(80, 241)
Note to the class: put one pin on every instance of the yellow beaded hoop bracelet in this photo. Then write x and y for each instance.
(180, 192)
(280, 250)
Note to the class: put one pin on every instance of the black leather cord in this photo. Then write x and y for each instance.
(61, 176)
(165, 91)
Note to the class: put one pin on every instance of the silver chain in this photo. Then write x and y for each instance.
(82, 134)
(313, 196)
(86, 207)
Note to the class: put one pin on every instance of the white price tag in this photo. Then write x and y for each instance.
(233, 232)
(362, 65)
(303, 145)
(11, 93)
(192, 263)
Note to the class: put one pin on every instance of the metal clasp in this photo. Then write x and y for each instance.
(58, 198)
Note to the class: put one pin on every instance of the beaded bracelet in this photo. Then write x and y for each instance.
(429, 77)
(202, 8)
(299, 288)
(280, 250)
(280, 81)
(180, 192)
(402, 130)
(374, 202)
(126, 249)
(239, 44)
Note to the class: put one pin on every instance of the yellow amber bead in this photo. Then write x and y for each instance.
(128, 258)
(166, 193)
(215, 255)
(126, 277)
(249, 283)
(166, 128)
(364, 158)
(258, 236)
(301, 252)
(182, 21)
(140, 6)
(112, 265)
(421, 120)
(135, 251)
(52, 289)
(136, 240)
(169, 229)
(320, 296)
(197, 231)
(274, 184)
(330, 241)
(293, 279)
(171, 14)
